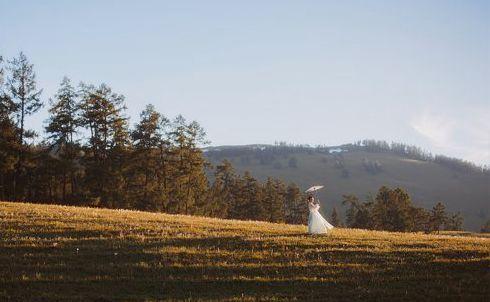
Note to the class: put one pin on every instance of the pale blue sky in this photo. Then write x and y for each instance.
(317, 72)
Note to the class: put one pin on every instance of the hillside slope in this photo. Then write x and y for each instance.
(57, 253)
(427, 182)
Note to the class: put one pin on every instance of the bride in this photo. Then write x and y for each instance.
(316, 223)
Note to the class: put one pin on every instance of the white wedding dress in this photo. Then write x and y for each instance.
(316, 223)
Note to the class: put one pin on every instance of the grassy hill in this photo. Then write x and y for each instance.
(427, 182)
(57, 253)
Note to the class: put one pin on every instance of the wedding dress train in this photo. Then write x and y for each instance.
(316, 223)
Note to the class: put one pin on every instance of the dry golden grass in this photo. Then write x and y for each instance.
(67, 253)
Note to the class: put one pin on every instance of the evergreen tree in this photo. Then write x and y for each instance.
(273, 199)
(391, 210)
(23, 91)
(254, 205)
(25, 98)
(438, 217)
(149, 182)
(454, 222)
(190, 183)
(334, 218)
(102, 112)
(63, 122)
(9, 143)
(248, 199)
(237, 208)
(358, 214)
(419, 219)
(62, 127)
(198, 181)
(221, 197)
(47, 174)
(295, 208)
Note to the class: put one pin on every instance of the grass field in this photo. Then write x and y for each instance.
(66, 253)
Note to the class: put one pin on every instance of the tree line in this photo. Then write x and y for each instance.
(244, 197)
(268, 154)
(414, 152)
(91, 156)
(392, 210)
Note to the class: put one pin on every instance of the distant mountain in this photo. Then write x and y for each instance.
(364, 167)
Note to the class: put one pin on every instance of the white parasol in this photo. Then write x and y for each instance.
(314, 189)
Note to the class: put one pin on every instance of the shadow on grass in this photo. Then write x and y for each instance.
(233, 267)
(365, 288)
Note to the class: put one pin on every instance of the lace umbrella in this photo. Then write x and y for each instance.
(314, 189)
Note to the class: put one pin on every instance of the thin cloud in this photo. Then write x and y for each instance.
(465, 134)
(437, 129)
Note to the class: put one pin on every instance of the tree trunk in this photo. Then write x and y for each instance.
(20, 160)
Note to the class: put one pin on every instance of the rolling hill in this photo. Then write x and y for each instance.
(53, 253)
(359, 172)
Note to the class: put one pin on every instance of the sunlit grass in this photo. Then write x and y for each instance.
(55, 252)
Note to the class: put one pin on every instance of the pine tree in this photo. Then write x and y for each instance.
(358, 215)
(279, 211)
(454, 222)
(148, 165)
(62, 127)
(47, 175)
(23, 92)
(248, 199)
(273, 200)
(190, 183)
(63, 122)
(237, 206)
(437, 217)
(102, 113)
(295, 207)
(221, 196)
(352, 202)
(9, 143)
(391, 210)
(198, 181)
(25, 98)
(419, 219)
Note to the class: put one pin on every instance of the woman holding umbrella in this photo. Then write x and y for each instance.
(316, 223)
